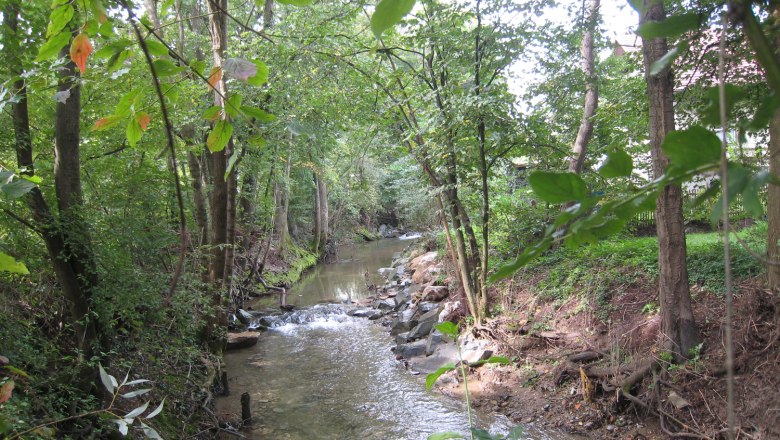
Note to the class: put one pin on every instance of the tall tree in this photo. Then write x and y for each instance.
(591, 88)
(678, 328)
(67, 236)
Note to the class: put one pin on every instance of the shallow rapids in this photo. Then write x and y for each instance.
(318, 373)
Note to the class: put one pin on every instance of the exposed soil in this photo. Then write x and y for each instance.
(543, 386)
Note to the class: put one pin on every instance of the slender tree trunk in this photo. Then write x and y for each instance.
(483, 166)
(324, 221)
(220, 204)
(773, 206)
(591, 89)
(282, 197)
(317, 233)
(678, 327)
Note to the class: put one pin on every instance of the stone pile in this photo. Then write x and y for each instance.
(410, 304)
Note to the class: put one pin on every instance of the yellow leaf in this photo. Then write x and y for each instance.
(80, 49)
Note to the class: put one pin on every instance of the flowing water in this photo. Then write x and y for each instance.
(320, 374)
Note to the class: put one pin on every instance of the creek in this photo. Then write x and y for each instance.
(320, 374)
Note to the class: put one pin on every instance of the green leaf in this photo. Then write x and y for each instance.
(765, 112)
(692, 148)
(445, 436)
(156, 48)
(51, 48)
(555, 187)
(299, 3)
(481, 434)
(618, 164)
(431, 378)
(17, 188)
(231, 161)
(233, 105)
(212, 113)
(750, 196)
(219, 136)
(136, 393)
(734, 94)
(117, 60)
(127, 102)
(671, 27)
(261, 77)
(448, 328)
(198, 66)
(133, 132)
(665, 61)
(491, 360)
(58, 19)
(388, 13)
(166, 68)
(260, 115)
(516, 433)
(9, 264)
(111, 49)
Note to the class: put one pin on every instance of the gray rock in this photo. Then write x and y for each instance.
(445, 353)
(385, 304)
(401, 298)
(365, 313)
(425, 324)
(433, 341)
(402, 338)
(412, 349)
(245, 317)
(426, 306)
(399, 325)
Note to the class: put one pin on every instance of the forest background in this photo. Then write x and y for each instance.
(163, 161)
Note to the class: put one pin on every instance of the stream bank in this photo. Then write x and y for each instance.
(323, 372)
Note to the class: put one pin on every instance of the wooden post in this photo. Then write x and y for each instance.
(246, 410)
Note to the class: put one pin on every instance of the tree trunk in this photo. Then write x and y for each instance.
(282, 197)
(483, 166)
(591, 90)
(678, 327)
(317, 232)
(199, 199)
(773, 206)
(151, 11)
(69, 246)
(220, 198)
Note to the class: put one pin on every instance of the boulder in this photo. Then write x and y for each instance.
(445, 353)
(365, 313)
(435, 293)
(435, 339)
(401, 325)
(245, 317)
(400, 299)
(387, 272)
(426, 275)
(385, 304)
(412, 349)
(242, 340)
(425, 324)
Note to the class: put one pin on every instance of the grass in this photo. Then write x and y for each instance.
(604, 268)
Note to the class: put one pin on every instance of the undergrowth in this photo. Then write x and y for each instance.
(605, 268)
